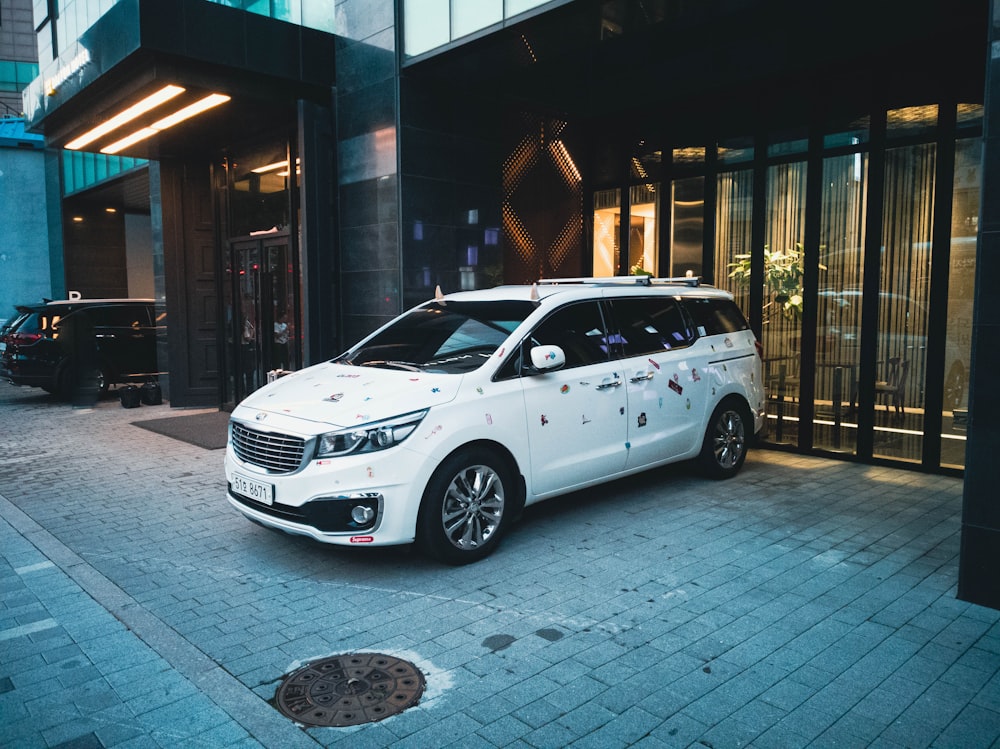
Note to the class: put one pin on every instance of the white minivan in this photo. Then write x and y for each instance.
(439, 427)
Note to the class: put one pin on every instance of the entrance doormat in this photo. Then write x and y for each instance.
(208, 430)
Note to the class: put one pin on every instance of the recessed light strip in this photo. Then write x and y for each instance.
(152, 101)
(191, 110)
(206, 103)
(276, 165)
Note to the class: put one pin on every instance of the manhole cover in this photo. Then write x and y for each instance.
(348, 690)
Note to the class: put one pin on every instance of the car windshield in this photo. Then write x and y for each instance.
(450, 337)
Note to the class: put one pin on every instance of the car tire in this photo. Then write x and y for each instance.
(726, 440)
(466, 506)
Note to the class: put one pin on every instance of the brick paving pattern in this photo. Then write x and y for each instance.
(807, 603)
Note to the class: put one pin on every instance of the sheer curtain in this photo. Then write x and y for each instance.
(838, 323)
(904, 288)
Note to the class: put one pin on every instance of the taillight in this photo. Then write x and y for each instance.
(760, 348)
(24, 339)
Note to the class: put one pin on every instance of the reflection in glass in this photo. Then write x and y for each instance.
(733, 211)
(961, 286)
(782, 309)
(643, 241)
(687, 226)
(607, 217)
(838, 324)
(904, 284)
(259, 191)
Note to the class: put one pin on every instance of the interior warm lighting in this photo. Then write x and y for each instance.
(111, 210)
(78, 219)
(208, 102)
(150, 102)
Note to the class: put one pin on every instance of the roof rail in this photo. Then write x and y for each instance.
(624, 281)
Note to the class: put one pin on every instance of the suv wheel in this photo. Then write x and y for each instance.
(725, 445)
(466, 506)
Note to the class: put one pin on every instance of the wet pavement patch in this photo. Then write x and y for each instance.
(348, 690)
(550, 634)
(498, 642)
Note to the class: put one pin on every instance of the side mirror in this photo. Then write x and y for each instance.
(547, 358)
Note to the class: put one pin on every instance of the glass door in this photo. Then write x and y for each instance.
(263, 313)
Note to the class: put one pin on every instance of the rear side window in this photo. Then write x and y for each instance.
(715, 316)
(651, 325)
(120, 316)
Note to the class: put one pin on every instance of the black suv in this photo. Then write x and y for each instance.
(118, 337)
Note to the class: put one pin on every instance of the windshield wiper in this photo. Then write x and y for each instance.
(404, 365)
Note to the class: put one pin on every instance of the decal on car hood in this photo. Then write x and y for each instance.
(340, 395)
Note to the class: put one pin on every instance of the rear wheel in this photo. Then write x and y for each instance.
(466, 506)
(726, 441)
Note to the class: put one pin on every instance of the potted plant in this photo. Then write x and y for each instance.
(782, 279)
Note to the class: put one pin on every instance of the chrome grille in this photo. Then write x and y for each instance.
(278, 453)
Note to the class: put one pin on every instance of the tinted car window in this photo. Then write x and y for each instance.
(579, 330)
(651, 325)
(120, 316)
(453, 337)
(715, 316)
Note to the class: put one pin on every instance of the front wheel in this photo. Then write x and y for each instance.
(466, 506)
(725, 445)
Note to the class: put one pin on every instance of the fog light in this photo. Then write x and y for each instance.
(362, 514)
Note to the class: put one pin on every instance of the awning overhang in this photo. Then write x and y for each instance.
(140, 47)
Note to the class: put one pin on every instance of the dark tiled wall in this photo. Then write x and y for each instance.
(451, 190)
(367, 167)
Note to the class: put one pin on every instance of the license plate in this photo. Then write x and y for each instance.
(252, 489)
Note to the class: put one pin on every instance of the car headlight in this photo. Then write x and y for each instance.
(370, 437)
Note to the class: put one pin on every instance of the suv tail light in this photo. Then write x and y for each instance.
(24, 339)
(759, 346)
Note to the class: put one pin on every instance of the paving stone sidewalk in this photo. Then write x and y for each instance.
(807, 603)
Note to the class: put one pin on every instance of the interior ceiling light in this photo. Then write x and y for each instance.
(276, 165)
(150, 102)
(203, 104)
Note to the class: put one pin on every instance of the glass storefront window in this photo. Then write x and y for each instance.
(961, 287)
(782, 282)
(687, 226)
(838, 323)
(643, 242)
(850, 134)
(736, 151)
(607, 227)
(912, 121)
(904, 290)
(690, 156)
(733, 211)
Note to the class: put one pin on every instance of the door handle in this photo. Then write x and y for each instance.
(640, 377)
(606, 385)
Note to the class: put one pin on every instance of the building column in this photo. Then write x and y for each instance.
(979, 560)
